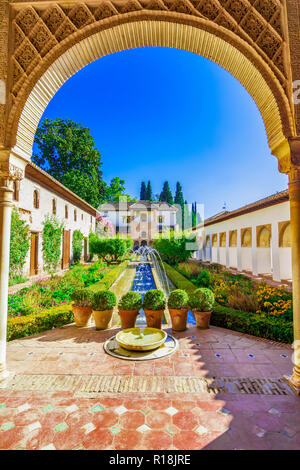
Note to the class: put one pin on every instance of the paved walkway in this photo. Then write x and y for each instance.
(227, 394)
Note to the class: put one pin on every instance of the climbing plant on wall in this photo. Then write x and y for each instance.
(19, 244)
(77, 245)
(52, 239)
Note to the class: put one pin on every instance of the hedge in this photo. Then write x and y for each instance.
(55, 317)
(28, 325)
(272, 328)
(109, 278)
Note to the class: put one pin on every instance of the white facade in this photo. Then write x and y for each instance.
(253, 239)
(39, 195)
(140, 220)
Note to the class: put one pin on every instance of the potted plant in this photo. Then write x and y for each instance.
(82, 306)
(129, 306)
(201, 302)
(154, 305)
(103, 304)
(178, 308)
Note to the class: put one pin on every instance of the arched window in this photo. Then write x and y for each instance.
(16, 187)
(66, 212)
(215, 240)
(246, 237)
(264, 236)
(54, 206)
(233, 238)
(285, 235)
(223, 239)
(81, 216)
(36, 199)
(75, 215)
(207, 241)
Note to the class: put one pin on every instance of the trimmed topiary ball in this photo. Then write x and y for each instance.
(202, 300)
(104, 300)
(82, 297)
(154, 300)
(178, 299)
(130, 301)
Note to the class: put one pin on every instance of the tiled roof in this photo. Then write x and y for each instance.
(136, 205)
(276, 198)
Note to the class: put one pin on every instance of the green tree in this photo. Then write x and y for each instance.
(179, 201)
(143, 191)
(149, 194)
(19, 244)
(110, 250)
(166, 195)
(52, 236)
(66, 150)
(116, 189)
(187, 216)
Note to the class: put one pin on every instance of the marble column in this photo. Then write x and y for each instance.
(294, 191)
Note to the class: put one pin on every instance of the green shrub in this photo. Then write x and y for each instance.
(52, 236)
(77, 245)
(28, 325)
(203, 280)
(130, 301)
(110, 250)
(172, 247)
(19, 244)
(154, 300)
(178, 298)
(272, 328)
(202, 300)
(109, 278)
(103, 300)
(82, 297)
(18, 279)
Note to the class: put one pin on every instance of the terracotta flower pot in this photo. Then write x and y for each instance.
(154, 318)
(128, 318)
(179, 318)
(202, 319)
(102, 318)
(82, 315)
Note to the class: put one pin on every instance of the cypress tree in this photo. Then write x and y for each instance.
(166, 195)
(180, 201)
(143, 191)
(149, 195)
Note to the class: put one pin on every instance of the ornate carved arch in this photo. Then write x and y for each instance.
(53, 40)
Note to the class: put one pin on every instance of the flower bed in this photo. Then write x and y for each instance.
(58, 315)
(273, 327)
(238, 291)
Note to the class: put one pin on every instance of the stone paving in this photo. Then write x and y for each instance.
(35, 418)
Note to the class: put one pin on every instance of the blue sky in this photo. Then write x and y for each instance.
(165, 114)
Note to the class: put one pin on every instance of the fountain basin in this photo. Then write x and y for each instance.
(141, 339)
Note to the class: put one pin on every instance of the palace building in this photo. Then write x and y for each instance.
(140, 220)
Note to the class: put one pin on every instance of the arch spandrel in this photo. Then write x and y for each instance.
(53, 40)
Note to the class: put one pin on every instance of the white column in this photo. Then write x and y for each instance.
(275, 252)
(204, 248)
(5, 220)
(254, 252)
(210, 247)
(218, 248)
(227, 249)
(239, 251)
